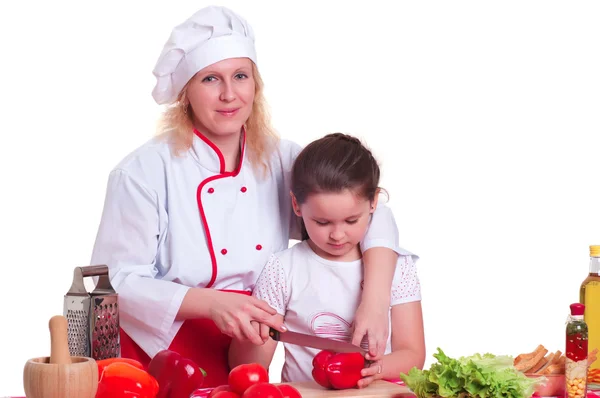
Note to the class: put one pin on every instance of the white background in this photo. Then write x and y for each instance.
(484, 116)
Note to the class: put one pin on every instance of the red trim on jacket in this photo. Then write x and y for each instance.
(222, 174)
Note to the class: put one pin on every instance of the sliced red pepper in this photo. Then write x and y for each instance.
(177, 376)
(337, 371)
(577, 347)
(121, 380)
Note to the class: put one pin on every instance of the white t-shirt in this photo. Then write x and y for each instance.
(320, 297)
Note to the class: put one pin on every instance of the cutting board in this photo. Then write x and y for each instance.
(379, 388)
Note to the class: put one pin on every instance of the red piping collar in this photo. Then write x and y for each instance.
(220, 154)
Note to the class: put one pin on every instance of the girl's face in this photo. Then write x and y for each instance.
(221, 97)
(336, 223)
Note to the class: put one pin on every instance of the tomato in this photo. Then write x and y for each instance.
(262, 390)
(214, 392)
(289, 391)
(226, 394)
(243, 376)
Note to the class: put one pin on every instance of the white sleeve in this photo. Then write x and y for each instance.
(272, 287)
(289, 155)
(382, 232)
(127, 242)
(405, 285)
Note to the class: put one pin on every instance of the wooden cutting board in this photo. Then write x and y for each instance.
(379, 388)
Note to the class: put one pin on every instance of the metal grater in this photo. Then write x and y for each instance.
(93, 318)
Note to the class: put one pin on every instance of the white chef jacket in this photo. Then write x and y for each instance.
(170, 223)
(319, 297)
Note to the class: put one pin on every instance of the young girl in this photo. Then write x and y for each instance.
(315, 286)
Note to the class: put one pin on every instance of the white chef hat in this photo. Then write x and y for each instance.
(210, 35)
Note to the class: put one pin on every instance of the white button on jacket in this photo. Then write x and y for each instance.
(170, 223)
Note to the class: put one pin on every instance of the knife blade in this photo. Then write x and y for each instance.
(320, 343)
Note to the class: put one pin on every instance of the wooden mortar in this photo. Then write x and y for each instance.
(60, 375)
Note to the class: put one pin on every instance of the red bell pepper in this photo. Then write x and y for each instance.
(337, 371)
(177, 376)
(123, 380)
(105, 362)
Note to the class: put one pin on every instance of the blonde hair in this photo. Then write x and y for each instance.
(177, 126)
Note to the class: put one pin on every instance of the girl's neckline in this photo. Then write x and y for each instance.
(331, 263)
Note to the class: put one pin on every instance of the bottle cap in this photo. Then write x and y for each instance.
(577, 309)
(595, 251)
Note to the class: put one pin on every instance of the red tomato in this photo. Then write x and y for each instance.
(289, 391)
(214, 392)
(226, 394)
(243, 376)
(262, 390)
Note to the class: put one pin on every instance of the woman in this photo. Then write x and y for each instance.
(191, 216)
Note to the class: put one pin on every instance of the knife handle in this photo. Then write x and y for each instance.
(274, 334)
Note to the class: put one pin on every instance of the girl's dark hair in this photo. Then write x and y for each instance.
(332, 164)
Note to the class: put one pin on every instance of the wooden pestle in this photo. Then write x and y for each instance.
(59, 340)
(60, 375)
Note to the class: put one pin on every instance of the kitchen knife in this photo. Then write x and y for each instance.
(320, 343)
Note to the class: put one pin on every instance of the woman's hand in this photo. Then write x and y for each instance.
(372, 315)
(371, 373)
(233, 314)
(372, 320)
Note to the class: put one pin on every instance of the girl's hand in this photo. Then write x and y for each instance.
(233, 314)
(371, 373)
(262, 329)
(373, 321)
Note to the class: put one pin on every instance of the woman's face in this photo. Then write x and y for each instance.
(221, 97)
